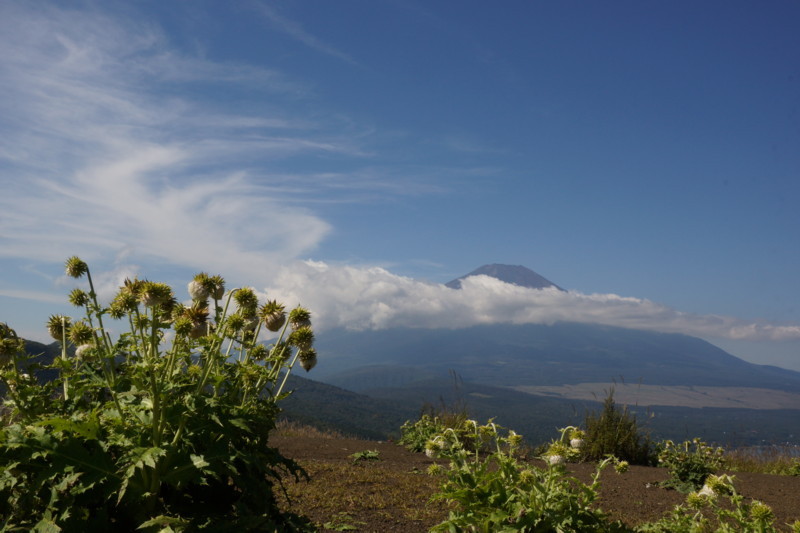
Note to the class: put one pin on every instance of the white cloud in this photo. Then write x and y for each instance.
(99, 155)
(373, 298)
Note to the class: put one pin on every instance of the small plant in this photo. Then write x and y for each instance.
(495, 491)
(341, 522)
(717, 507)
(414, 435)
(366, 455)
(615, 432)
(689, 463)
(567, 448)
(435, 419)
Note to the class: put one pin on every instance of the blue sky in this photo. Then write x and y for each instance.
(353, 155)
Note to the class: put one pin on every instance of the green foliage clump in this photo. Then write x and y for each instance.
(414, 435)
(567, 448)
(615, 432)
(366, 455)
(717, 507)
(163, 428)
(689, 463)
(495, 491)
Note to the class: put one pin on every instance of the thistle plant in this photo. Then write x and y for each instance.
(689, 463)
(567, 448)
(718, 507)
(494, 490)
(163, 427)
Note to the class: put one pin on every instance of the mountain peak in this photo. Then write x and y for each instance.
(514, 274)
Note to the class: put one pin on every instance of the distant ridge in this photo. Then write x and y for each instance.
(514, 274)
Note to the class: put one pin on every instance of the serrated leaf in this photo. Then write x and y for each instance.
(163, 520)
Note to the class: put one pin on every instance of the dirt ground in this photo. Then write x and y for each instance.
(392, 493)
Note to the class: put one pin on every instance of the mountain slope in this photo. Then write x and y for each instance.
(508, 355)
(514, 274)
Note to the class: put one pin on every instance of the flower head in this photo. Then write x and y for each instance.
(259, 352)
(761, 512)
(58, 326)
(299, 317)
(273, 314)
(247, 301)
(75, 267)
(78, 297)
(217, 287)
(198, 288)
(303, 338)
(83, 351)
(81, 333)
(154, 294)
(308, 359)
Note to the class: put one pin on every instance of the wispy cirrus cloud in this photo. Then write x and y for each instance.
(102, 148)
(296, 31)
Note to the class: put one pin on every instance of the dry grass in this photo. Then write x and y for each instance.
(345, 495)
(778, 460)
(287, 428)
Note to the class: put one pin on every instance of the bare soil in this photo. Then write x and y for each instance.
(393, 493)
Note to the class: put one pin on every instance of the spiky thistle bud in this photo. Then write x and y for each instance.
(761, 512)
(183, 326)
(10, 344)
(200, 287)
(7, 333)
(434, 447)
(217, 287)
(258, 352)
(76, 268)
(274, 315)
(247, 301)
(81, 333)
(78, 298)
(58, 326)
(84, 351)
(197, 315)
(299, 317)
(235, 323)
(308, 359)
(303, 338)
(123, 303)
(155, 294)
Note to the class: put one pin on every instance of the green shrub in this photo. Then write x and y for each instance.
(689, 463)
(719, 508)
(414, 435)
(615, 432)
(495, 491)
(164, 428)
(434, 420)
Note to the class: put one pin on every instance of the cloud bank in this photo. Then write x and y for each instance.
(374, 298)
